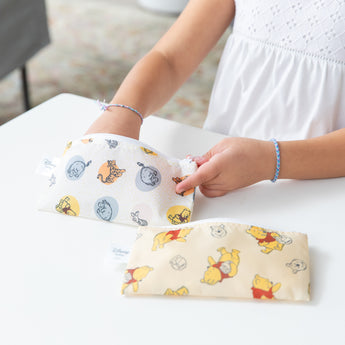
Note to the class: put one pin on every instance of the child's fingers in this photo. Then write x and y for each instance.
(212, 193)
(199, 160)
(204, 173)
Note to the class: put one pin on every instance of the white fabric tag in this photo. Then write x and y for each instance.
(117, 257)
(120, 253)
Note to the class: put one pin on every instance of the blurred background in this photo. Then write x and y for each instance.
(93, 45)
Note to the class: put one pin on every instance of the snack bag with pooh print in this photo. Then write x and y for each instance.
(115, 179)
(220, 258)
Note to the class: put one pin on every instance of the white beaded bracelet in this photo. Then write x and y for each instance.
(105, 106)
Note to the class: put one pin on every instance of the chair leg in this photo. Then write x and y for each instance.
(25, 88)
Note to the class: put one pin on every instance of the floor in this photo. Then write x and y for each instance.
(94, 43)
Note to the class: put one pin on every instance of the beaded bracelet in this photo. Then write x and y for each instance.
(104, 107)
(278, 160)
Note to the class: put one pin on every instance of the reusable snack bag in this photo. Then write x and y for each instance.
(214, 258)
(117, 179)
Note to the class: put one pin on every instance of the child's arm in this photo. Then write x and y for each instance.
(239, 162)
(158, 75)
(321, 157)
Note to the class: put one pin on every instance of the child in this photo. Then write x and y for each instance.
(282, 75)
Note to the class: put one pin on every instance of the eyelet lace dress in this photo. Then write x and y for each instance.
(282, 73)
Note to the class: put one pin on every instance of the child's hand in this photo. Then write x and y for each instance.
(232, 163)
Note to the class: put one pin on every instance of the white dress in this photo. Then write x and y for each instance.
(282, 73)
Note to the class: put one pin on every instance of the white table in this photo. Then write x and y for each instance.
(58, 288)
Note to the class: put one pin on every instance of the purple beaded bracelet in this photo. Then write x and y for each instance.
(278, 160)
(105, 106)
